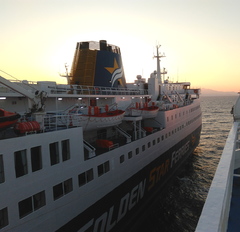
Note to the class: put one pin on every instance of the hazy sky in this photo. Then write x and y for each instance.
(200, 38)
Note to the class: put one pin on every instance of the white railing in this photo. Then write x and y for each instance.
(96, 90)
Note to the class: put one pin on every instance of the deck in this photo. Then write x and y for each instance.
(222, 207)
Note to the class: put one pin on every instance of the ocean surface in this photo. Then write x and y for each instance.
(179, 209)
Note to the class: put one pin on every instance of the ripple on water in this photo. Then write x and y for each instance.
(179, 209)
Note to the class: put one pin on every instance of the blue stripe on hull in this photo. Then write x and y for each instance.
(116, 210)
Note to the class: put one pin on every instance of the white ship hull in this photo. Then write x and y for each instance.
(150, 170)
(86, 173)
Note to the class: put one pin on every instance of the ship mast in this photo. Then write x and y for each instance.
(68, 78)
(158, 56)
(66, 75)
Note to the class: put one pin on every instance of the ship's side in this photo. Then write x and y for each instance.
(221, 209)
(70, 176)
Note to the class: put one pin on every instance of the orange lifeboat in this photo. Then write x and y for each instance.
(7, 119)
(27, 127)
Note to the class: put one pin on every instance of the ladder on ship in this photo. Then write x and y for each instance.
(124, 133)
(89, 150)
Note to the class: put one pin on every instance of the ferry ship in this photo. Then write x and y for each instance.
(91, 154)
(221, 209)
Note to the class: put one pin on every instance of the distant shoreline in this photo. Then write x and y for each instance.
(210, 92)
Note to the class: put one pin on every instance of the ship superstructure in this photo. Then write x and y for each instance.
(102, 149)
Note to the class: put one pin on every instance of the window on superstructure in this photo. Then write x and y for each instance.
(65, 150)
(57, 191)
(20, 158)
(103, 168)
(82, 179)
(149, 144)
(85, 177)
(31, 204)
(39, 200)
(107, 166)
(162, 137)
(54, 153)
(3, 217)
(154, 142)
(68, 186)
(89, 175)
(25, 207)
(2, 177)
(121, 159)
(143, 147)
(137, 151)
(158, 140)
(130, 154)
(36, 158)
(100, 170)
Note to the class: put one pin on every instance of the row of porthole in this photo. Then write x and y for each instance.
(191, 110)
(130, 155)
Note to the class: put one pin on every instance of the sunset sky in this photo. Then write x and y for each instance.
(200, 38)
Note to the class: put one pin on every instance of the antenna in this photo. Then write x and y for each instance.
(66, 75)
(158, 56)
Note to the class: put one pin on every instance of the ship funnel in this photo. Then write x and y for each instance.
(97, 64)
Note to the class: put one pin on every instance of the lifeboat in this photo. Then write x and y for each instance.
(27, 127)
(97, 119)
(145, 111)
(7, 119)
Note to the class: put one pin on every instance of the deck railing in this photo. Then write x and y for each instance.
(96, 90)
(214, 216)
(74, 89)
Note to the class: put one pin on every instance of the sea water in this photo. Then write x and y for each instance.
(179, 209)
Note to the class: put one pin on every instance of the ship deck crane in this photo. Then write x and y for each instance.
(36, 98)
